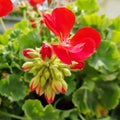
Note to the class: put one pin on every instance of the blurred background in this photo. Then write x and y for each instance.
(109, 7)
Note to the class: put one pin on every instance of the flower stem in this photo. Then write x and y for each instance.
(82, 118)
(3, 25)
(12, 115)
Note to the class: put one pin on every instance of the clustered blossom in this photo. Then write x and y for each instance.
(51, 63)
(6, 7)
(48, 72)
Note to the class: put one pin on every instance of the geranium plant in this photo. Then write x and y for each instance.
(59, 62)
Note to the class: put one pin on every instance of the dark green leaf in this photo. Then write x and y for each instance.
(12, 88)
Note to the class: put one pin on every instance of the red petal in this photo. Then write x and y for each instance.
(78, 66)
(60, 22)
(62, 53)
(82, 50)
(86, 33)
(6, 7)
(35, 2)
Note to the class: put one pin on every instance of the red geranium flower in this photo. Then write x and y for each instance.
(6, 7)
(77, 48)
(35, 2)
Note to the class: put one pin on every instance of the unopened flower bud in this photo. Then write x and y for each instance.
(64, 86)
(27, 52)
(27, 65)
(66, 71)
(47, 74)
(42, 81)
(34, 83)
(57, 73)
(57, 85)
(46, 51)
(49, 2)
(40, 90)
(49, 94)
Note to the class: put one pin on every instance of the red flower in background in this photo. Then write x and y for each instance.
(77, 48)
(6, 7)
(35, 2)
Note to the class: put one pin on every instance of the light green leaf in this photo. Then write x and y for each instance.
(88, 6)
(106, 59)
(116, 23)
(35, 111)
(115, 37)
(99, 21)
(12, 88)
(30, 40)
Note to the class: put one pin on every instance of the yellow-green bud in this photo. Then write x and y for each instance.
(34, 54)
(27, 65)
(47, 74)
(66, 71)
(57, 85)
(42, 81)
(49, 94)
(57, 73)
(34, 83)
(64, 86)
(40, 90)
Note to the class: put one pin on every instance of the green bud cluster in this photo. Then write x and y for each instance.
(48, 75)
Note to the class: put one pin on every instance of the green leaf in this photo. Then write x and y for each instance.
(34, 110)
(103, 96)
(69, 114)
(109, 94)
(22, 25)
(115, 37)
(30, 40)
(12, 88)
(71, 84)
(4, 39)
(101, 22)
(106, 59)
(116, 23)
(88, 6)
(84, 99)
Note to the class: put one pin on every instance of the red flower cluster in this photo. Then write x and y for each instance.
(6, 7)
(35, 2)
(76, 48)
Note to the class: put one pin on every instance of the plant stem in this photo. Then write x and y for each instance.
(2, 23)
(82, 118)
(12, 115)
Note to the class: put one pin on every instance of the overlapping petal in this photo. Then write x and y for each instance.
(86, 33)
(60, 22)
(62, 53)
(6, 7)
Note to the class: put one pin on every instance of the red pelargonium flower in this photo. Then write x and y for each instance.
(6, 7)
(35, 2)
(77, 48)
